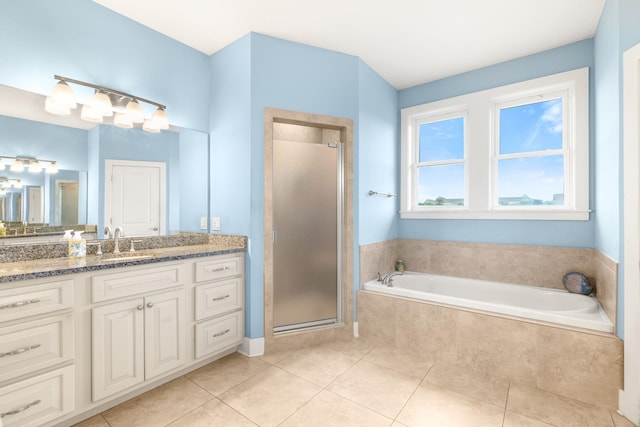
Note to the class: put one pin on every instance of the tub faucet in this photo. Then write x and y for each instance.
(388, 278)
(117, 233)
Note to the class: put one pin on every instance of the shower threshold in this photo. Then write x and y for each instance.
(305, 325)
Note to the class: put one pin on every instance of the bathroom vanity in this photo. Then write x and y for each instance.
(78, 336)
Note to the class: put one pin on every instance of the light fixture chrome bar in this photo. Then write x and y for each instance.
(108, 90)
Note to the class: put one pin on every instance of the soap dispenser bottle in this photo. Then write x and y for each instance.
(77, 245)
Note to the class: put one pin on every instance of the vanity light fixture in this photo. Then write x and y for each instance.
(9, 183)
(104, 103)
(32, 164)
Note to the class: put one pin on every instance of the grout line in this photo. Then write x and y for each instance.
(506, 404)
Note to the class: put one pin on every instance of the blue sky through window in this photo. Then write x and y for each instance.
(531, 127)
(442, 140)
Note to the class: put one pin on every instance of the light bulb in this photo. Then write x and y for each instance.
(17, 166)
(17, 184)
(35, 167)
(150, 126)
(52, 168)
(52, 107)
(101, 104)
(5, 183)
(61, 99)
(134, 111)
(122, 121)
(3, 192)
(160, 119)
(90, 114)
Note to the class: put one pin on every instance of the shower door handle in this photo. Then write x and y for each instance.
(275, 236)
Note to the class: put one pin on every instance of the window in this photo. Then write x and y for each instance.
(513, 152)
(441, 162)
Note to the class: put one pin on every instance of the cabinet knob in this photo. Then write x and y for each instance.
(140, 307)
(149, 304)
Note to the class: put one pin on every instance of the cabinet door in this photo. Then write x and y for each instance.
(117, 347)
(164, 332)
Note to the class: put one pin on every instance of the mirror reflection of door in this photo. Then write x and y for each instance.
(3, 209)
(35, 204)
(135, 197)
(66, 204)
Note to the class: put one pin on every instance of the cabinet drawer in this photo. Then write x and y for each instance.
(217, 298)
(133, 282)
(218, 334)
(218, 268)
(38, 400)
(30, 346)
(24, 301)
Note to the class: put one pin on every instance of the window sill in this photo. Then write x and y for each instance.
(555, 215)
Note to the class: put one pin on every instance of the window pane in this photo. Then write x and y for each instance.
(441, 185)
(531, 181)
(443, 140)
(531, 127)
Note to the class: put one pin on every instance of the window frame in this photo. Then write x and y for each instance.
(434, 117)
(482, 144)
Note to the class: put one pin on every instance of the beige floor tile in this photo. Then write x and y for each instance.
(97, 421)
(159, 406)
(276, 356)
(378, 388)
(411, 364)
(317, 364)
(470, 383)
(358, 347)
(221, 375)
(511, 419)
(436, 406)
(328, 409)
(271, 396)
(620, 421)
(556, 410)
(214, 413)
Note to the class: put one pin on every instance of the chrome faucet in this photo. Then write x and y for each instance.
(108, 233)
(116, 240)
(388, 278)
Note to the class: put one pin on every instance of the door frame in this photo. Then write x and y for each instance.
(108, 172)
(630, 396)
(274, 342)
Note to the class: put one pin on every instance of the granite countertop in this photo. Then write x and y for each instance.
(37, 268)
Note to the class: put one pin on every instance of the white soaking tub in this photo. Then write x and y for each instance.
(529, 302)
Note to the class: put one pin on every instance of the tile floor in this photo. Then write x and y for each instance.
(347, 384)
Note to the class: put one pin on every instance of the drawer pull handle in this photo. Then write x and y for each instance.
(20, 350)
(21, 303)
(24, 408)
(219, 269)
(149, 304)
(219, 334)
(140, 307)
(220, 298)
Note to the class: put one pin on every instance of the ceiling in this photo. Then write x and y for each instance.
(408, 42)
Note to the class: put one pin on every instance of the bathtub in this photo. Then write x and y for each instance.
(530, 302)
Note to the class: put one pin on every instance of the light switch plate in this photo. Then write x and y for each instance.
(203, 223)
(215, 223)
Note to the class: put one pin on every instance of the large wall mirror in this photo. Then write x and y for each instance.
(82, 152)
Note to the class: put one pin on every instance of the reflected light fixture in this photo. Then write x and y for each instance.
(9, 183)
(33, 165)
(105, 103)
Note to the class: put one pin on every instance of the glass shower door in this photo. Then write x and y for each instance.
(306, 206)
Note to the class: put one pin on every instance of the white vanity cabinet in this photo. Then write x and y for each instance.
(219, 298)
(142, 334)
(36, 352)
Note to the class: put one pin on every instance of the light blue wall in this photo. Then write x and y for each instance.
(28, 138)
(552, 233)
(82, 40)
(194, 179)
(618, 31)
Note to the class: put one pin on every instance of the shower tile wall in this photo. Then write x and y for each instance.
(520, 264)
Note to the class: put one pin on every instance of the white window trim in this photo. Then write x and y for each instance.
(479, 108)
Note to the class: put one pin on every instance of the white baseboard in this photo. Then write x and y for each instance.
(355, 329)
(252, 347)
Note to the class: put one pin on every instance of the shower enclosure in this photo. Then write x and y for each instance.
(307, 212)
